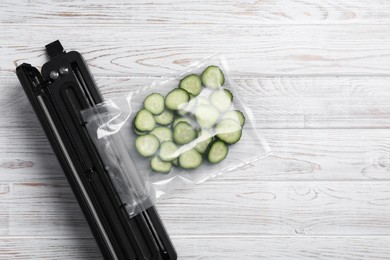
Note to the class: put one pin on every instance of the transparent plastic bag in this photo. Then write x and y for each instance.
(208, 116)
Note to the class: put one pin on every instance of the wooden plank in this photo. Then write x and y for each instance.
(311, 154)
(49, 248)
(251, 248)
(162, 50)
(307, 154)
(218, 208)
(281, 102)
(215, 12)
(41, 209)
(245, 248)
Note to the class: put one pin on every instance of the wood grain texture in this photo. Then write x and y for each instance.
(216, 208)
(202, 12)
(319, 72)
(280, 103)
(49, 248)
(160, 50)
(303, 147)
(197, 248)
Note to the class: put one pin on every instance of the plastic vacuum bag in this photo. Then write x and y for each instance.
(148, 151)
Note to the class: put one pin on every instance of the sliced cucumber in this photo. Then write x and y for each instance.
(217, 151)
(159, 165)
(176, 98)
(163, 133)
(236, 115)
(187, 107)
(165, 118)
(202, 101)
(190, 159)
(206, 115)
(221, 99)
(181, 119)
(229, 131)
(192, 84)
(168, 151)
(137, 132)
(147, 145)
(212, 77)
(204, 139)
(154, 103)
(144, 120)
(183, 133)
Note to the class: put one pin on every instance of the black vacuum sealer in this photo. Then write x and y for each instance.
(58, 94)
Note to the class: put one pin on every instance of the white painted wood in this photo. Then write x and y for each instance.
(162, 50)
(201, 12)
(319, 72)
(196, 248)
(281, 102)
(216, 208)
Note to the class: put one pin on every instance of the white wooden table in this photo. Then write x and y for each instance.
(315, 73)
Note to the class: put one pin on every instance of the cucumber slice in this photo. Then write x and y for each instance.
(236, 115)
(154, 103)
(192, 84)
(181, 119)
(190, 159)
(183, 133)
(212, 77)
(204, 139)
(217, 152)
(229, 131)
(168, 151)
(163, 133)
(137, 132)
(176, 98)
(159, 165)
(147, 145)
(165, 118)
(144, 120)
(221, 99)
(206, 115)
(187, 107)
(202, 101)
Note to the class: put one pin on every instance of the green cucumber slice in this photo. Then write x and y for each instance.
(154, 103)
(181, 119)
(192, 84)
(159, 165)
(212, 77)
(168, 151)
(221, 99)
(236, 115)
(206, 115)
(163, 133)
(187, 107)
(137, 132)
(190, 159)
(217, 151)
(183, 133)
(144, 120)
(202, 101)
(165, 118)
(204, 139)
(176, 98)
(147, 145)
(229, 131)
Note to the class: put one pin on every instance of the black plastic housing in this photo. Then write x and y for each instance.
(58, 94)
